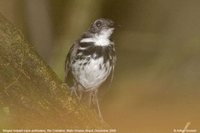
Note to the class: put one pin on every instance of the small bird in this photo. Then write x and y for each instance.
(91, 61)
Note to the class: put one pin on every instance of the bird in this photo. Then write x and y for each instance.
(91, 61)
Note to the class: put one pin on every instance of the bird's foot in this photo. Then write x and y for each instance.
(74, 91)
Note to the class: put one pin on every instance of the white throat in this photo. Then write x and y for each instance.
(101, 39)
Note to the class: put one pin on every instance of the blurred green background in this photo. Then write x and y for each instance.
(157, 78)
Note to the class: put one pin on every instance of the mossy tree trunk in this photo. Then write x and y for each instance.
(32, 92)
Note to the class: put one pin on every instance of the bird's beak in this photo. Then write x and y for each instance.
(119, 25)
(111, 24)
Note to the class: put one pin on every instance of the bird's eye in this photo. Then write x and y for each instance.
(98, 23)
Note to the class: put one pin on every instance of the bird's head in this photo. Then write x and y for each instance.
(102, 27)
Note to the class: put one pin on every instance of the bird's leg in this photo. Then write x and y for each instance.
(81, 95)
(97, 104)
(73, 90)
(78, 91)
(91, 98)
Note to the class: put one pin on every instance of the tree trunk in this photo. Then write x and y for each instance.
(31, 93)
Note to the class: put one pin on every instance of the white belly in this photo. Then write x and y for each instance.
(93, 74)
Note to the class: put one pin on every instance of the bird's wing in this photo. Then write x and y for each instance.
(68, 73)
(114, 60)
(107, 83)
(113, 69)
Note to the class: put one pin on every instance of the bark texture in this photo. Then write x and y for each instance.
(30, 91)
